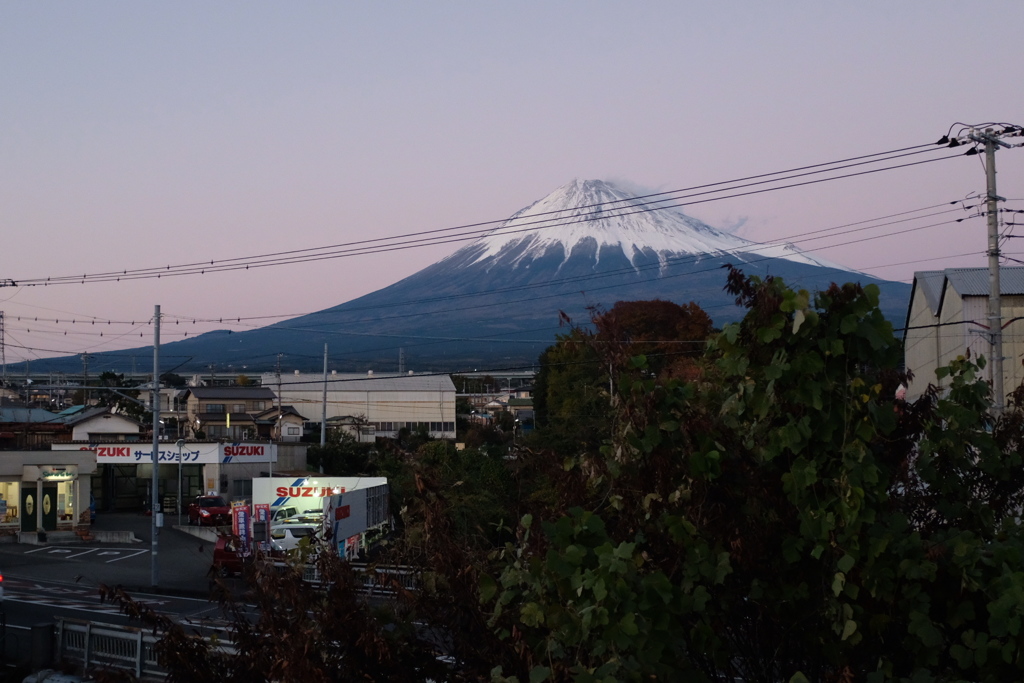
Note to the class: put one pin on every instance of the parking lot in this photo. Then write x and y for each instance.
(183, 560)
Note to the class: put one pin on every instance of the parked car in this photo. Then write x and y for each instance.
(308, 516)
(209, 511)
(279, 513)
(226, 560)
(286, 536)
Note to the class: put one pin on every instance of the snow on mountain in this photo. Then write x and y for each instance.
(597, 213)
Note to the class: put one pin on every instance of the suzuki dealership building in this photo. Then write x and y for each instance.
(122, 472)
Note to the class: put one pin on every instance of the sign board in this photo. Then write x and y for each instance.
(261, 514)
(345, 516)
(241, 523)
(55, 473)
(306, 493)
(193, 452)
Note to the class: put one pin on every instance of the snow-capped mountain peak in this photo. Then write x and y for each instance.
(595, 214)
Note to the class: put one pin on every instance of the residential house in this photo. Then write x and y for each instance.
(24, 428)
(229, 413)
(284, 424)
(100, 424)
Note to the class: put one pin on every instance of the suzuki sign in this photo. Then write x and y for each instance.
(192, 452)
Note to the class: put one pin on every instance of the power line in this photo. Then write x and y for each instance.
(434, 340)
(355, 248)
(798, 238)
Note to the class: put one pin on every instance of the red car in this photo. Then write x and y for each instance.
(226, 560)
(209, 511)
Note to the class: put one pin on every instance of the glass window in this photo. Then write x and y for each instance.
(215, 407)
(259, 405)
(238, 408)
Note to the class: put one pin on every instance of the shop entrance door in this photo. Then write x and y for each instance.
(28, 506)
(49, 507)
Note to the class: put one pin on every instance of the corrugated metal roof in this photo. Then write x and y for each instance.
(34, 415)
(930, 283)
(975, 282)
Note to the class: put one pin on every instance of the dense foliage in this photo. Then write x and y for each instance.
(761, 508)
(782, 517)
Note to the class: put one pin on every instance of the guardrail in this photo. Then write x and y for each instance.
(94, 645)
(387, 576)
(107, 646)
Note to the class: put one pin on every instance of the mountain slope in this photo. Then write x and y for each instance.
(496, 301)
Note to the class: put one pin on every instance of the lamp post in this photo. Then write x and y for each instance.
(179, 444)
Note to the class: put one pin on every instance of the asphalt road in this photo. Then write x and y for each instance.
(42, 582)
(183, 560)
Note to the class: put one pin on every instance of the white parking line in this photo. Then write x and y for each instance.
(70, 553)
(125, 557)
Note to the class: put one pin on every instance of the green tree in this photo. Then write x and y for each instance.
(780, 516)
(342, 456)
(120, 396)
(574, 387)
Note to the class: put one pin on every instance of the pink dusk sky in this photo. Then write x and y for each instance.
(146, 134)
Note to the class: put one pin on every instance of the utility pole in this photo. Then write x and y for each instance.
(401, 360)
(279, 397)
(85, 378)
(155, 493)
(3, 353)
(990, 140)
(323, 415)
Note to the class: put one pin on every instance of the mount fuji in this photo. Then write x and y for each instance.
(495, 302)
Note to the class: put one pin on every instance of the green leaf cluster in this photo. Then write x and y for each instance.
(781, 516)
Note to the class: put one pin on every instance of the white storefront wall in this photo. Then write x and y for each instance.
(222, 463)
(28, 473)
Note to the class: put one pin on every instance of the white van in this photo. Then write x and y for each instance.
(286, 536)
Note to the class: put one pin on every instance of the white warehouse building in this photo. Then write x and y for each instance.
(372, 404)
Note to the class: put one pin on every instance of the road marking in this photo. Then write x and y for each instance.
(125, 557)
(70, 553)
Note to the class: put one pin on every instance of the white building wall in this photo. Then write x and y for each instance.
(921, 347)
(375, 398)
(103, 424)
(962, 328)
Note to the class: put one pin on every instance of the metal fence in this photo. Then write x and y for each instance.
(107, 646)
(95, 646)
(380, 581)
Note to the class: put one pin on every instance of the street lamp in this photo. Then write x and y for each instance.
(179, 444)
